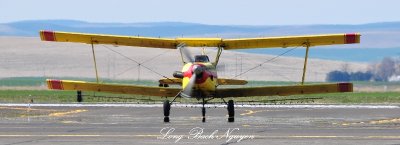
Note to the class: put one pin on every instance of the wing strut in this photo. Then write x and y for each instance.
(181, 46)
(218, 55)
(305, 64)
(95, 64)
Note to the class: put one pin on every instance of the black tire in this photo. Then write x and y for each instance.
(79, 97)
(166, 119)
(231, 108)
(231, 111)
(166, 108)
(203, 112)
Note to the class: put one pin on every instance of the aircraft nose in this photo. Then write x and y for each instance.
(197, 69)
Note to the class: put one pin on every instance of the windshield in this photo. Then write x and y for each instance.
(201, 58)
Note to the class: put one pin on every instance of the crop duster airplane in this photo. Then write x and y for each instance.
(198, 76)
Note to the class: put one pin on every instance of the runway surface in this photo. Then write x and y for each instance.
(48, 124)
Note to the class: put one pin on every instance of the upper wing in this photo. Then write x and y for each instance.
(266, 42)
(107, 39)
(112, 88)
(127, 40)
(284, 90)
(291, 41)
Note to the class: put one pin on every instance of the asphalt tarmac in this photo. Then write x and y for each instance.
(49, 124)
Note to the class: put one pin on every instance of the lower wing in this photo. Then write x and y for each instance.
(220, 93)
(112, 88)
(284, 90)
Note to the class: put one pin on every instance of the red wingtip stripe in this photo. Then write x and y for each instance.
(350, 38)
(48, 35)
(345, 87)
(55, 84)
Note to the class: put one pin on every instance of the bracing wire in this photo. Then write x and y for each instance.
(137, 62)
(268, 60)
(141, 63)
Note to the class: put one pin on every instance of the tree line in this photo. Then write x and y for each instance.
(386, 70)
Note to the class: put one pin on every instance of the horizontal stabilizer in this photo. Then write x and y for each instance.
(171, 81)
(221, 81)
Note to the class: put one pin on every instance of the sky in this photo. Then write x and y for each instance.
(217, 12)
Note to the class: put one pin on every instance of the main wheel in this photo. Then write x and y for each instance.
(231, 111)
(166, 108)
(231, 119)
(203, 112)
(166, 119)
(79, 97)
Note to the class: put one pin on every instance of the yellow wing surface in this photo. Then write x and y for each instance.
(284, 90)
(264, 42)
(111, 88)
(220, 93)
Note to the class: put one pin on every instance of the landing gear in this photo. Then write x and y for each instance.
(79, 97)
(167, 108)
(203, 111)
(230, 108)
(231, 111)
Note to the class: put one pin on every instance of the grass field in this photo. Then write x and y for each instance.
(49, 96)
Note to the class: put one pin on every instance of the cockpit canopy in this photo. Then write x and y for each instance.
(201, 58)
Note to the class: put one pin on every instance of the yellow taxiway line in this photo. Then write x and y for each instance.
(60, 114)
(26, 108)
(250, 112)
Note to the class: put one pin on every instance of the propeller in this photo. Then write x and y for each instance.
(187, 91)
(186, 53)
(197, 71)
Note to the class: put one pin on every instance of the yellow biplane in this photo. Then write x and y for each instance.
(198, 76)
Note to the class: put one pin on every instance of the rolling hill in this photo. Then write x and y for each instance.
(374, 35)
(379, 40)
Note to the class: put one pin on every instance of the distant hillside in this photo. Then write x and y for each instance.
(30, 57)
(370, 55)
(374, 35)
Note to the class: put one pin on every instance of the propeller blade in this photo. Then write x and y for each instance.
(186, 53)
(187, 91)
